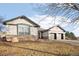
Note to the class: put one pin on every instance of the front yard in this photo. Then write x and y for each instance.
(37, 48)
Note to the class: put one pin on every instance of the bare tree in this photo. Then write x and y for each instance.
(71, 5)
(68, 10)
(1, 23)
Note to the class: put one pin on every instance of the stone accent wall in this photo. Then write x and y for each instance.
(21, 38)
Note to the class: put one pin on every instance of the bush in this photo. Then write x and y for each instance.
(70, 35)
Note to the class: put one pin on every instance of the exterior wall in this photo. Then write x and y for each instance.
(59, 36)
(55, 30)
(11, 30)
(58, 32)
(34, 31)
(51, 36)
(15, 38)
(45, 35)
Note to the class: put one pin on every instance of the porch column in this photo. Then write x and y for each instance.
(58, 36)
(64, 36)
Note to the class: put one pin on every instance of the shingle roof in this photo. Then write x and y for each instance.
(22, 17)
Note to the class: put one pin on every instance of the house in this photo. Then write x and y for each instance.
(53, 33)
(21, 26)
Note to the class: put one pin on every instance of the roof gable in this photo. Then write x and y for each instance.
(58, 27)
(22, 17)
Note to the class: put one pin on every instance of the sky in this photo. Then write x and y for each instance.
(8, 11)
(13, 10)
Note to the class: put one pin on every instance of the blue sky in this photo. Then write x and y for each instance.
(12, 10)
(8, 11)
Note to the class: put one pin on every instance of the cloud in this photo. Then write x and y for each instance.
(76, 31)
(49, 22)
(42, 20)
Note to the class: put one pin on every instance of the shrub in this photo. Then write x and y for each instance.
(70, 35)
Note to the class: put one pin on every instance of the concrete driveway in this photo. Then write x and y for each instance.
(72, 42)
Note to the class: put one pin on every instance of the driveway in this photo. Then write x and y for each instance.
(72, 42)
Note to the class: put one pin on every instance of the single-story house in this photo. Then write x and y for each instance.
(21, 26)
(53, 33)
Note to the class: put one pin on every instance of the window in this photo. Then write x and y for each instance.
(23, 29)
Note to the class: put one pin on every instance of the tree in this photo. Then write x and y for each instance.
(1, 24)
(72, 5)
(55, 9)
(69, 14)
(70, 35)
(67, 34)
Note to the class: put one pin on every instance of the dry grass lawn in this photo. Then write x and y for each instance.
(36, 48)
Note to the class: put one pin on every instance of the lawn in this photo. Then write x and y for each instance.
(37, 48)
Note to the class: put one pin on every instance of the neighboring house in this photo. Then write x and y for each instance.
(53, 33)
(21, 26)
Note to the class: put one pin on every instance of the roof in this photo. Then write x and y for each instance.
(22, 17)
(59, 27)
(52, 27)
(42, 29)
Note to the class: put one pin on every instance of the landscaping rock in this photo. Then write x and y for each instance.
(15, 39)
